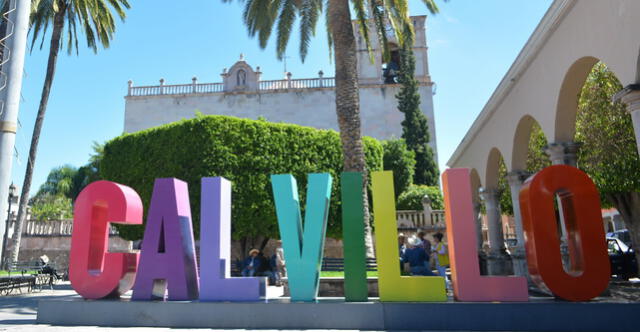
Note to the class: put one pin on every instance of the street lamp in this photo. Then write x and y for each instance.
(13, 192)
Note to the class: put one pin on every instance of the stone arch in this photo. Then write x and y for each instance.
(521, 140)
(567, 106)
(493, 168)
(638, 69)
(241, 77)
(476, 184)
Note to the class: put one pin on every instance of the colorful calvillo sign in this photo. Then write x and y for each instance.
(166, 268)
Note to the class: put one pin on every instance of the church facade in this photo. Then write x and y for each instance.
(307, 102)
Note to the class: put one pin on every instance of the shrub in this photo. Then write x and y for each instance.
(412, 198)
(46, 206)
(401, 161)
(244, 151)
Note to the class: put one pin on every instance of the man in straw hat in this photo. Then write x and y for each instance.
(417, 258)
(251, 263)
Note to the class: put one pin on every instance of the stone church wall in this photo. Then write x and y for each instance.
(313, 107)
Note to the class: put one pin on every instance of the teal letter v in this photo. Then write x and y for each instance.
(303, 254)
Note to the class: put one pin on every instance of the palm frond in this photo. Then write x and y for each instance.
(378, 16)
(432, 6)
(327, 19)
(94, 17)
(310, 11)
(285, 23)
(363, 22)
(260, 17)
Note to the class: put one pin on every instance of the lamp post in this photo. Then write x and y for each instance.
(13, 191)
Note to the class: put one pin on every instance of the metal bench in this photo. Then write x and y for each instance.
(28, 274)
(337, 264)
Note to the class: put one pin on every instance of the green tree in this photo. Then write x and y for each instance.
(415, 128)
(69, 181)
(48, 206)
(506, 205)
(60, 181)
(536, 158)
(401, 161)
(89, 172)
(262, 16)
(97, 23)
(609, 153)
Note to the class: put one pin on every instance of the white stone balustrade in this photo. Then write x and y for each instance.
(208, 88)
(416, 219)
(53, 228)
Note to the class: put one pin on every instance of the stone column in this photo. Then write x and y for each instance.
(630, 95)
(477, 206)
(497, 255)
(518, 255)
(482, 256)
(563, 153)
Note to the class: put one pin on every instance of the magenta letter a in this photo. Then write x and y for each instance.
(168, 258)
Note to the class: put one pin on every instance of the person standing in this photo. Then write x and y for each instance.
(441, 255)
(281, 269)
(401, 248)
(426, 244)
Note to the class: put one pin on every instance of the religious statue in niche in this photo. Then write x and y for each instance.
(241, 78)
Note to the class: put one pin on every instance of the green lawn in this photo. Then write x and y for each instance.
(335, 274)
(5, 272)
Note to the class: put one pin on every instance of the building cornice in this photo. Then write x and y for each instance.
(262, 92)
(549, 23)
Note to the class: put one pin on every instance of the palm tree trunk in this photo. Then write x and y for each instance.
(58, 25)
(348, 101)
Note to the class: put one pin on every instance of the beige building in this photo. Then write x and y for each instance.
(307, 101)
(542, 86)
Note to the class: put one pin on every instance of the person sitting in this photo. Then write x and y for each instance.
(264, 268)
(251, 264)
(417, 258)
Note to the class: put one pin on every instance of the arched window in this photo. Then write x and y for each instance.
(391, 68)
(241, 77)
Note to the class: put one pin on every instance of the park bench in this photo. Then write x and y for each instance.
(26, 274)
(337, 264)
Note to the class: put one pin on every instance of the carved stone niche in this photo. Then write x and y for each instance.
(241, 77)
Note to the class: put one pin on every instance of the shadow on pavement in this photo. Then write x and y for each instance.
(17, 321)
(15, 306)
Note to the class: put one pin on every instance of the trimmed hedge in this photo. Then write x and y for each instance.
(411, 199)
(244, 151)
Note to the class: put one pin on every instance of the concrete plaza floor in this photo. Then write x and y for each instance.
(18, 312)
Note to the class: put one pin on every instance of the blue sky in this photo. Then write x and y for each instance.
(471, 46)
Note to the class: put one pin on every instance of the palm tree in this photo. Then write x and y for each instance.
(59, 181)
(261, 16)
(96, 20)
